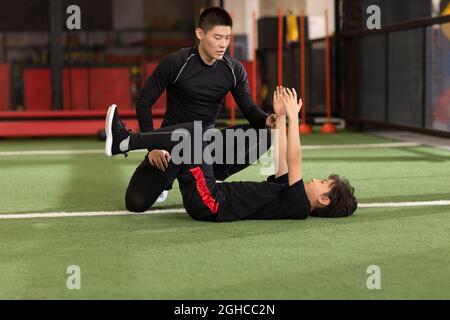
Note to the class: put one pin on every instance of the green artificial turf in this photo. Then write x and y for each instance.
(171, 256)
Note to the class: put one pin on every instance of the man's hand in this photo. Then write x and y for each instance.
(291, 106)
(271, 120)
(159, 159)
(278, 106)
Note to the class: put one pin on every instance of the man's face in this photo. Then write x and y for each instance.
(316, 188)
(214, 43)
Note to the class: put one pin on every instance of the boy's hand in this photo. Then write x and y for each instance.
(290, 103)
(278, 106)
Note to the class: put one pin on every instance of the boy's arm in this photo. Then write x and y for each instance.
(280, 147)
(280, 133)
(294, 151)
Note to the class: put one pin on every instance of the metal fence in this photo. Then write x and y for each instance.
(399, 76)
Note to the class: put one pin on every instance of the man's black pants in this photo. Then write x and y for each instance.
(148, 182)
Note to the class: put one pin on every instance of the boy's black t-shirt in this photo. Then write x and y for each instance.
(271, 199)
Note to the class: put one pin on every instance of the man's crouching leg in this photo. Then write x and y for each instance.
(146, 185)
(257, 142)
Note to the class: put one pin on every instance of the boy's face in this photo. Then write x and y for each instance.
(214, 42)
(316, 190)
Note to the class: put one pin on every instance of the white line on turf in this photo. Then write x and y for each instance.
(180, 210)
(363, 145)
(405, 204)
(86, 214)
(49, 152)
(307, 147)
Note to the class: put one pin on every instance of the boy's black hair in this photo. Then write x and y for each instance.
(342, 201)
(214, 16)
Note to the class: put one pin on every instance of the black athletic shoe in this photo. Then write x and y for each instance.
(115, 131)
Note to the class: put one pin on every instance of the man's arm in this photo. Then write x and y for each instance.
(255, 115)
(162, 76)
(294, 151)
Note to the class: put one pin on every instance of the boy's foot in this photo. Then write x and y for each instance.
(115, 132)
(162, 197)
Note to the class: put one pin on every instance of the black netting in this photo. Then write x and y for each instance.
(391, 12)
(372, 75)
(405, 77)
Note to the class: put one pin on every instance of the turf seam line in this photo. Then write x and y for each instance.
(405, 204)
(181, 210)
(307, 147)
(87, 214)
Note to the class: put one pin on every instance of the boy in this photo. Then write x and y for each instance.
(283, 196)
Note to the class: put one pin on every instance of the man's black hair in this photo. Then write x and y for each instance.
(214, 16)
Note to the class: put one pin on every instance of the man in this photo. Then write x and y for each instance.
(283, 196)
(196, 80)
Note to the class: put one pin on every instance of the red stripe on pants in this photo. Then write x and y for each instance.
(203, 190)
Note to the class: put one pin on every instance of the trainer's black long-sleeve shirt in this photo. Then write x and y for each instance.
(195, 90)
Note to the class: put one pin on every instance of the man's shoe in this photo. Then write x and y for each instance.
(115, 131)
